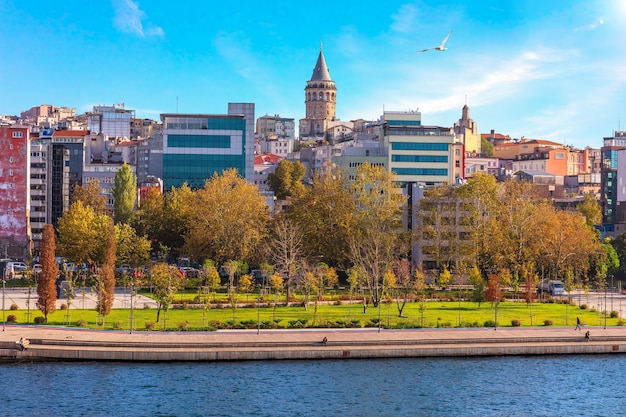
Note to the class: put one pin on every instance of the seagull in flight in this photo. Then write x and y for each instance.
(441, 47)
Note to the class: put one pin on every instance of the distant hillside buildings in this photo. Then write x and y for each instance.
(48, 150)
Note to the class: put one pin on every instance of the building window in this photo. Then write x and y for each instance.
(17, 134)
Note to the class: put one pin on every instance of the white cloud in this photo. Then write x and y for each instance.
(404, 19)
(598, 22)
(129, 17)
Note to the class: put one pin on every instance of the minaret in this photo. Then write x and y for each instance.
(320, 92)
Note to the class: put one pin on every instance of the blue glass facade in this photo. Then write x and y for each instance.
(418, 146)
(419, 158)
(195, 147)
(197, 141)
(421, 171)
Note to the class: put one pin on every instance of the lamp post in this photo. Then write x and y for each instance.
(3, 319)
(379, 300)
(258, 312)
(605, 288)
(132, 310)
(612, 295)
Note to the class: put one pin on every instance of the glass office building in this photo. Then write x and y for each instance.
(195, 146)
(417, 153)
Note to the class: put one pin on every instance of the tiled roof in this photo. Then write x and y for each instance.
(69, 133)
(267, 158)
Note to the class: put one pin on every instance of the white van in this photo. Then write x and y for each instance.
(15, 269)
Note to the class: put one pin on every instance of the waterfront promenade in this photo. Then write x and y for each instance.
(49, 343)
(54, 343)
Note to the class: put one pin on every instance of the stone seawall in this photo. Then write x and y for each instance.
(50, 344)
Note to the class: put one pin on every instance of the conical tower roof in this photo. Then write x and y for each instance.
(320, 73)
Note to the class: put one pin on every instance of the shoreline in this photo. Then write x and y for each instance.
(68, 344)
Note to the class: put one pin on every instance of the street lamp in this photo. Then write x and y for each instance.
(379, 300)
(3, 319)
(258, 312)
(132, 310)
(606, 284)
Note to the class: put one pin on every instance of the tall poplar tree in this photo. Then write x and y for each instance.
(46, 289)
(106, 276)
(124, 194)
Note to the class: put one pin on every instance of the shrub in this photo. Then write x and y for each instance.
(14, 307)
(149, 325)
(117, 325)
(11, 318)
(620, 322)
(63, 306)
(547, 322)
(81, 323)
(182, 326)
(584, 307)
(489, 323)
(516, 323)
(197, 300)
(146, 306)
(40, 320)
(614, 314)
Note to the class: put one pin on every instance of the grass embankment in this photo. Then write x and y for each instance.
(434, 314)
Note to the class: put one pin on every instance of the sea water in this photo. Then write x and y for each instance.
(590, 385)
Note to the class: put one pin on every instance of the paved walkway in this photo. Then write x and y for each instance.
(86, 300)
(48, 343)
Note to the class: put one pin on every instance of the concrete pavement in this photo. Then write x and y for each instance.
(48, 343)
(83, 300)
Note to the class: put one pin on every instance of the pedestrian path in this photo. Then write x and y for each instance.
(26, 298)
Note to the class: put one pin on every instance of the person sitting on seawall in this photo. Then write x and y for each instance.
(587, 336)
(23, 343)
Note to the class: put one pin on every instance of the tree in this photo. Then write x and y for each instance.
(480, 207)
(564, 241)
(439, 227)
(124, 194)
(91, 196)
(229, 219)
(377, 236)
(286, 180)
(166, 281)
(105, 279)
(78, 238)
(276, 284)
(286, 243)
(231, 268)
(405, 283)
(486, 147)
(131, 248)
(46, 289)
(590, 209)
(325, 215)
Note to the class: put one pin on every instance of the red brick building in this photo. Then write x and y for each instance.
(15, 235)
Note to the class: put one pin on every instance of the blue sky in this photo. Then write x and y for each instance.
(547, 69)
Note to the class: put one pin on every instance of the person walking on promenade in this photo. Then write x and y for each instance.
(577, 323)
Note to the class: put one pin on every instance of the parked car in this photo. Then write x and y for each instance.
(188, 271)
(37, 268)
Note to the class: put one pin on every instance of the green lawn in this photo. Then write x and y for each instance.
(435, 314)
